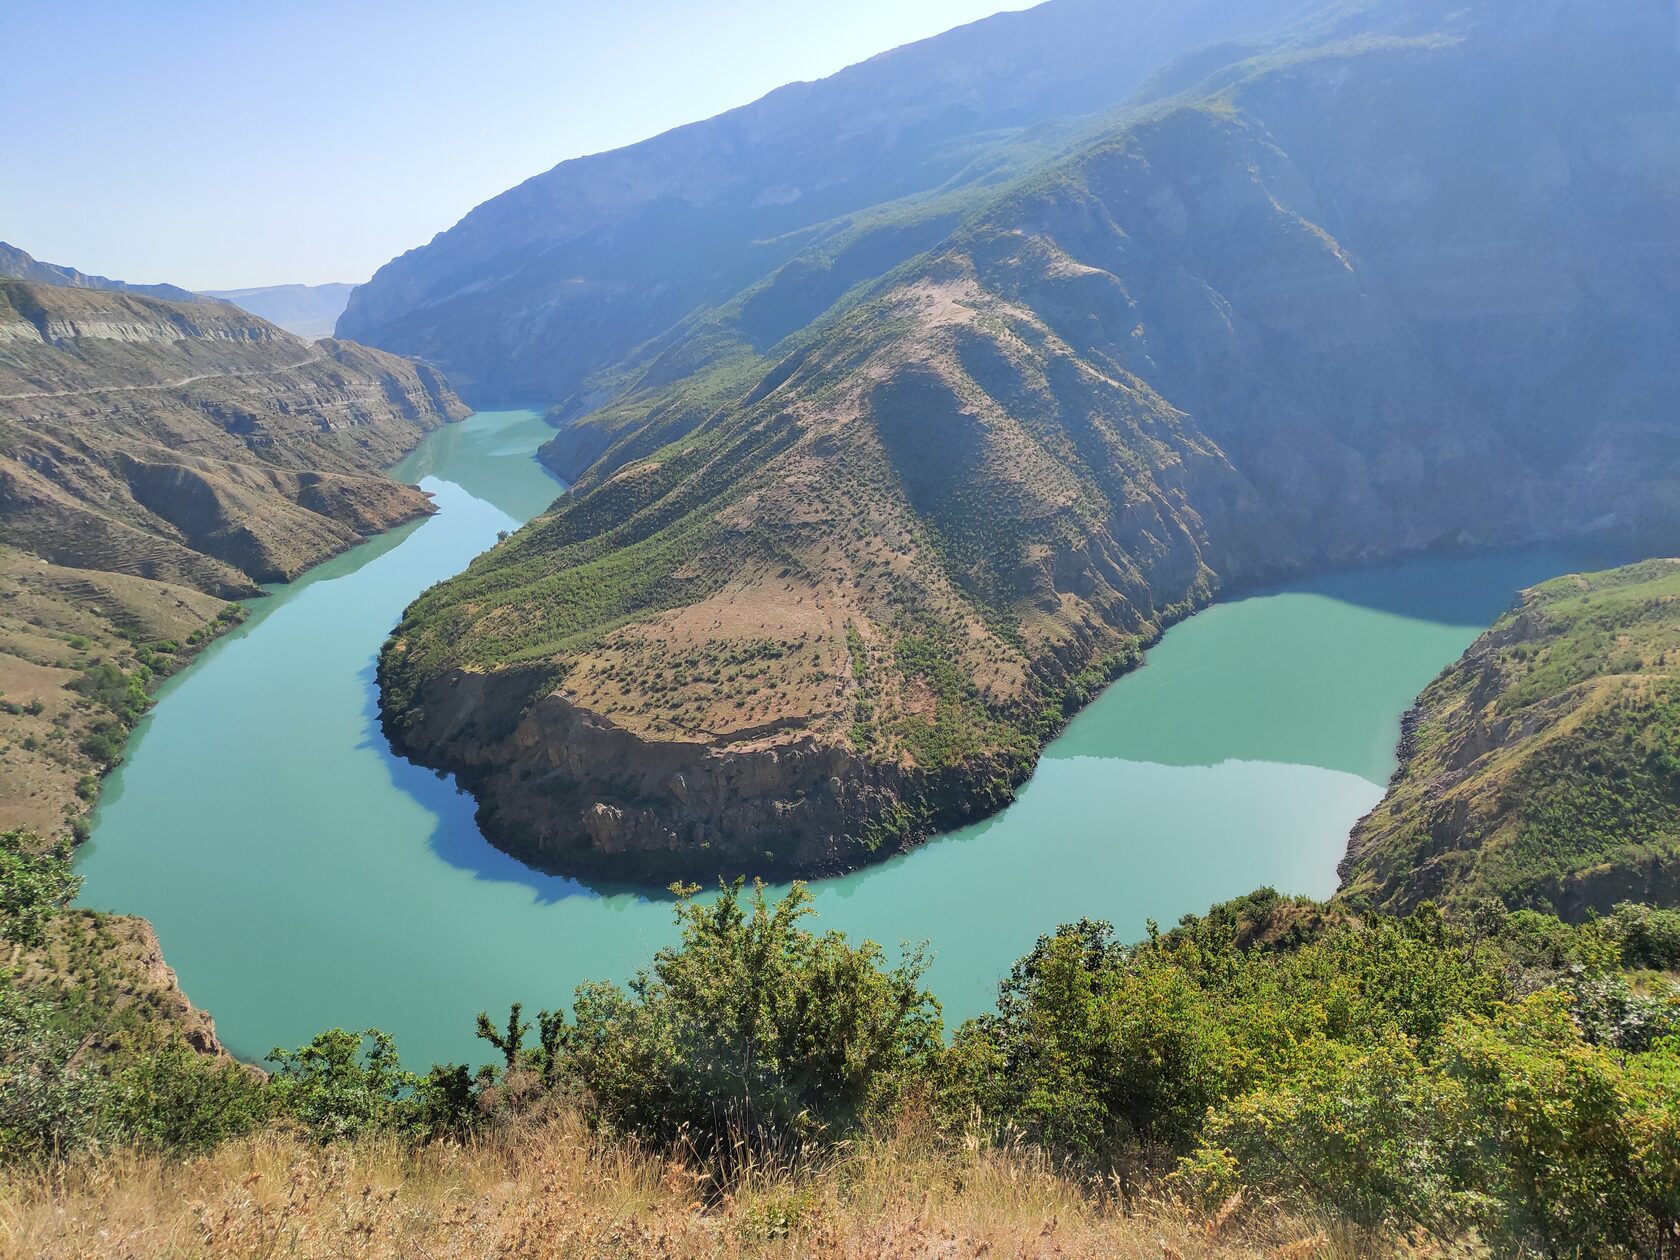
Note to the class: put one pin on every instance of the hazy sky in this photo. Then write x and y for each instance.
(234, 143)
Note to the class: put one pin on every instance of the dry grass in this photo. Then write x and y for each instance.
(54, 623)
(553, 1189)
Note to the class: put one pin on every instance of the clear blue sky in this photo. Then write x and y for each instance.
(247, 142)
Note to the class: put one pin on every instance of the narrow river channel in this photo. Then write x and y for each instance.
(302, 877)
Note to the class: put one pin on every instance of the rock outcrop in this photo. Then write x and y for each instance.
(1368, 293)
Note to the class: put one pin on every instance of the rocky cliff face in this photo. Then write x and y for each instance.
(193, 443)
(1373, 292)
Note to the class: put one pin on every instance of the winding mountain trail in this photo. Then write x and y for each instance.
(184, 381)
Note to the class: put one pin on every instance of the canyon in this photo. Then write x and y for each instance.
(844, 550)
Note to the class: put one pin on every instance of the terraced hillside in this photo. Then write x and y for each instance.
(158, 459)
(194, 443)
(1544, 768)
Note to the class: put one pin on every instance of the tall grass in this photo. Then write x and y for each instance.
(552, 1187)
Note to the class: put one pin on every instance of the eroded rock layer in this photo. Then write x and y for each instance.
(813, 597)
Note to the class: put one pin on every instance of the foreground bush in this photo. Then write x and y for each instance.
(1496, 1080)
(1479, 1077)
(754, 1028)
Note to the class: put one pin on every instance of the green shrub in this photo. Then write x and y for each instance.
(50, 1101)
(1649, 937)
(1094, 1050)
(753, 1028)
(344, 1084)
(1515, 1126)
(176, 1099)
(35, 884)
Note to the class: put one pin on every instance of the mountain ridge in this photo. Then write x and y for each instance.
(632, 240)
(804, 606)
(16, 264)
(308, 310)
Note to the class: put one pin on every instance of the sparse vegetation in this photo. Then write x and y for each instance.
(1544, 767)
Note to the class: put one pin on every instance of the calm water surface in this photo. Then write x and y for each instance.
(301, 876)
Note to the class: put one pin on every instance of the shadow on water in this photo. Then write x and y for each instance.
(1451, 588)
(301, 874)
(455, 838)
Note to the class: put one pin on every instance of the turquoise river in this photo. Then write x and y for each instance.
(302, 877)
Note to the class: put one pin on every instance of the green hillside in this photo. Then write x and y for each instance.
(1544, 768)
(811, 599)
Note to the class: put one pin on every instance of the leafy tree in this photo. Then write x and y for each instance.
(1516, 1126)
(445, 1102)
(1096, 1050)
(509, 1041)
(754, 1028)
(35, 884)
(343, 1084)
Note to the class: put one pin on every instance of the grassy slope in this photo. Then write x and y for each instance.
(560, 278)
(70, 642)
(558, 1189)
(1544, 768)
(922, 529)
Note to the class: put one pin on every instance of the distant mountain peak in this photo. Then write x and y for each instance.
(309, 310)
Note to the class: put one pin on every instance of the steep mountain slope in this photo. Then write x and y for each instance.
(309, 310)
(195, 443)
(158, 459)
(15, 264)
(1543, 768)
(561, 277)
(1392, 291)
